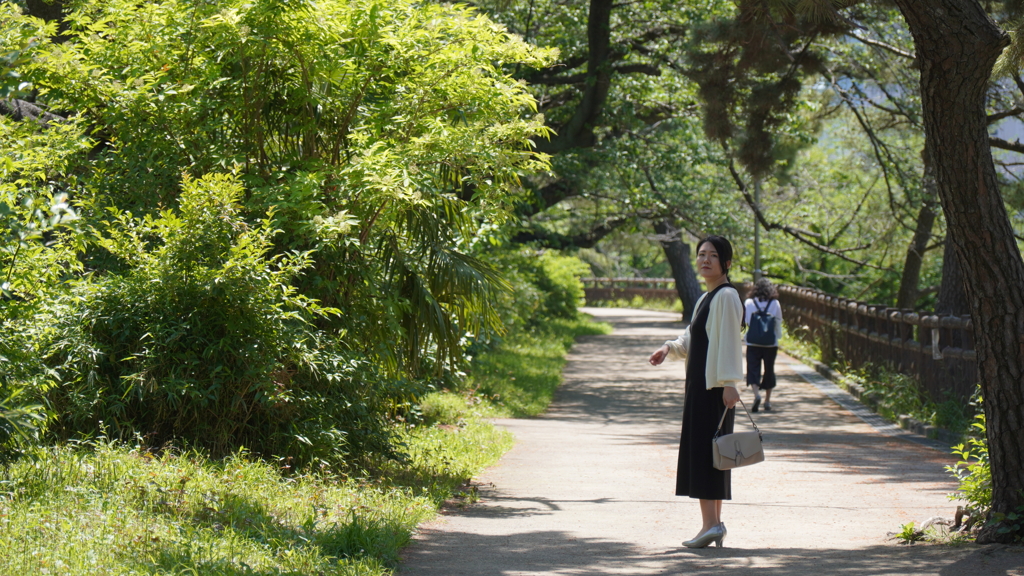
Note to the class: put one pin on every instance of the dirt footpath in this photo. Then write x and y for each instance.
(588, 488)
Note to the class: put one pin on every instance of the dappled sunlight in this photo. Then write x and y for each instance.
(588, 488)
(564, 552)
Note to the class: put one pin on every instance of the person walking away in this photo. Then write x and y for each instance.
(763, 318)
(712, 344)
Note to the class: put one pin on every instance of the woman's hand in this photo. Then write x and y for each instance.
(730, 396)
(659, 355)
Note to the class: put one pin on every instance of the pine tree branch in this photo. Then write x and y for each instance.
(883, 46)
(1014, 146)
(993, 118)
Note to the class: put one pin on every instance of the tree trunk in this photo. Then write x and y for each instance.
(677, 253)
(909, 292)
(578, 132)
(957, 45)
(48, 10)
(952, 298)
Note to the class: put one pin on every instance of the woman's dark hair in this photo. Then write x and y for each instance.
(724, 249)
(764, 291)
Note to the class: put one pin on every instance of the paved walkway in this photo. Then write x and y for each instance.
(588, 488)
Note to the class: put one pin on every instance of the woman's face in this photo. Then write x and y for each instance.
(708, 264)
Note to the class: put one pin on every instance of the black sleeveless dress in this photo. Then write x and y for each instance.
(702, 408)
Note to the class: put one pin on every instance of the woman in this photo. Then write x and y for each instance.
(763, 298)
(714, 369)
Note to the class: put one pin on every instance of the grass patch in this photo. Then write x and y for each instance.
(103, 508)
(797, 343)
(519, 377)
(894, 393)
(900, 394)
(109, 509)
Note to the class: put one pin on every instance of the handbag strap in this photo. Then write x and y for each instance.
(749, 417)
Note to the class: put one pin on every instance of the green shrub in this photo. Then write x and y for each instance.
(541, 286)
(337, 412)
(953, 414)
(38, 237)
(195, 338)
(900, 394)
(799, 341)
(21, 411)
(19, 422)
(384, 133)
(201, 338)
(522, 305)
(558, 277)
(974, 477)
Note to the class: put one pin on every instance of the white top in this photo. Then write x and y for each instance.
(773, 308)
(725, 353)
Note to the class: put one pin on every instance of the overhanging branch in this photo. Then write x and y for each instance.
(648, 69)
(795, 233)
(883, 46)
(1014, 146)
(993, 118)
(585, 239)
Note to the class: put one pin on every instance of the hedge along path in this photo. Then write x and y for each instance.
(588, 488)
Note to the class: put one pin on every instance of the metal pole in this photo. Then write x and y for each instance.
(757, 231)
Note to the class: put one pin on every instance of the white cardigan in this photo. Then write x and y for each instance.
(725, 353)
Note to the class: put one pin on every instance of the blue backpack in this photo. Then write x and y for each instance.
(761, 331)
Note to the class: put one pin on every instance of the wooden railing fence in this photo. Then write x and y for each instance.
(598, 289)
(937, 350)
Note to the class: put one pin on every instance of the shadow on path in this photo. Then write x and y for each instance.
(588, 487)
(557, 552)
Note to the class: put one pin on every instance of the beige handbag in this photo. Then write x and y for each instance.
(730, 451)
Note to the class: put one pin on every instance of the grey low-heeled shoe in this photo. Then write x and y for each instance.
(714, 534)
